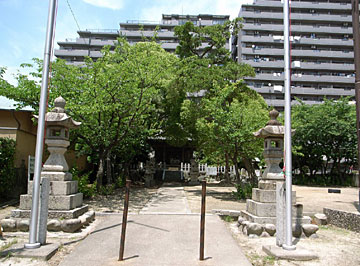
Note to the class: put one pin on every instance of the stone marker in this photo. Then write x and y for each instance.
(320, 219)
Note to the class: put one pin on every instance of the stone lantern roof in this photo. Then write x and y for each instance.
(273, 128)
(58, 117)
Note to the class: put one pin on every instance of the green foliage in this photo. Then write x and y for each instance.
(107, 189)
(88, 190)
(118, 98)
(7, 168)
(243, 191)
(325, 140)
(229, 116)
(228, 219)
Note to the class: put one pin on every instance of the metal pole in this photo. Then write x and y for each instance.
(356, 39)
(41, 127)
(202, 219)
(124, 221)
(288, 154)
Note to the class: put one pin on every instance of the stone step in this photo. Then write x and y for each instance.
(57, 176)
(268, 196)
(58, 187)
(67, 202)
(269, 209)
(272, 220)
(53, 214)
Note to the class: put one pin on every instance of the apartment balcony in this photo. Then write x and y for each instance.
(279, 104)
(147, 34)
(298, 53)
(300, 91)
(95, 54)
(169, 45)
(296, 16)
(296, 40)
(71, 53)
(303, 65)
(313, 5)
(303, 78)
(279, 29)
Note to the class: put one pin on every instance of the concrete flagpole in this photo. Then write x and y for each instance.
(288, 154)
(34, 220)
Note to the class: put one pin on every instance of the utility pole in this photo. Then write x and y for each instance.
(356, 39)
(34, 219)
(288, 154)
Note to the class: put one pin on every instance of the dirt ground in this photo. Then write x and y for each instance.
(217, 197)
(334, 246)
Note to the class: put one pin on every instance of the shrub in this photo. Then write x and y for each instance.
(243, 191)
(88, 190)
(7, 168)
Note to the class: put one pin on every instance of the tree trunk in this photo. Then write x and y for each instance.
(108, 169)
(251, 171)
(227, 168)
(100, 173)
(236, 170)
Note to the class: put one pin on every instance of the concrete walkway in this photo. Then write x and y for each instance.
(164, 233)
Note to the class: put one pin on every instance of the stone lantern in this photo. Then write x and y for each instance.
(261, 208)
(273, 135)
(58, 124)
(65, 205)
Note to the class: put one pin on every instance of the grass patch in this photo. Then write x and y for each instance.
(228, 218)
(7, 245)
(269, 260)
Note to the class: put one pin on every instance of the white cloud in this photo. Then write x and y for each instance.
(191, 7)
(112, 4)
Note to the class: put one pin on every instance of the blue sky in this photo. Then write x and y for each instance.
(23, 22)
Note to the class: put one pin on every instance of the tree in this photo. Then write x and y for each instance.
(327, 132)
(227, 122)
(115, 97)
(217, 122)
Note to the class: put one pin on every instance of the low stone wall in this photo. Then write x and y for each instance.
(343, 219)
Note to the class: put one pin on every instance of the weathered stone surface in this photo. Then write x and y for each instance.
(57, 176)
(309, 229)
(23, 225)
(59, 187)
(71, 225)
(254, 228)
(253, 236)
(54, 225)
(65, 202)
(65, 214)
(267, 185)
(265, 234)
(90, 216)
(296, 230)
(272, 220)
(270, 229)
(320, 219)
(8, 225)
(314, 236)
(343, 219)
(240, 220)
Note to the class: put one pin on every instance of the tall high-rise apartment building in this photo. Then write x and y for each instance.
(321, 49)
(90, 42)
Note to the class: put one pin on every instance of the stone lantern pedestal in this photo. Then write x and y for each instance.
(194, 173)
(262, 209)
(66, 209)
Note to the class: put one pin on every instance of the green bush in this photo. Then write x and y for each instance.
(243, 191)
(7, 168)
(88, 190)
